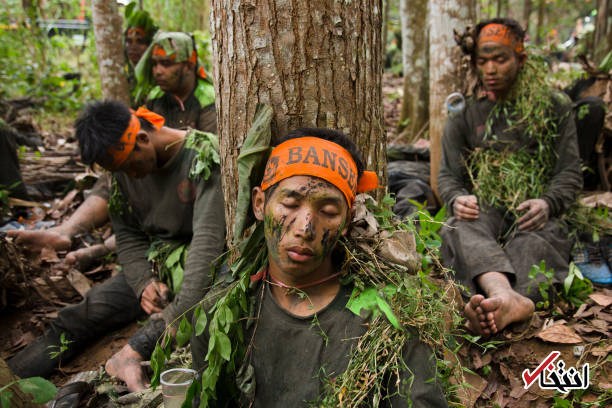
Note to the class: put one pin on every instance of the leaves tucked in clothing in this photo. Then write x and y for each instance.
(207, 146)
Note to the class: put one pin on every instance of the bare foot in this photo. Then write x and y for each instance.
(477, 322)
(84, 257)
(37, 240)
(125, 365)
(504, 307)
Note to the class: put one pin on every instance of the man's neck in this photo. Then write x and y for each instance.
(189, 85)
(167, 142)
(303, 297)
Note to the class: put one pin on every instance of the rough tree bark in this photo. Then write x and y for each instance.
(444, 63)
(600, 43)
(527, 7)
(109, 48)
(415, 52)
(317, 63)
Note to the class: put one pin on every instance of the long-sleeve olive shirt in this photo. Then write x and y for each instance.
(466, 131)
(168, 204)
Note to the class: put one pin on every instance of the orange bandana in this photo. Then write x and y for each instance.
(500, 33)
(159, 51)
(312, 156)
(122, 149)
(136, 30)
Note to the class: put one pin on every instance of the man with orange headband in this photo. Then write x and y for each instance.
(304, 201)
(491, 250)
(175, 83)
(170, 192)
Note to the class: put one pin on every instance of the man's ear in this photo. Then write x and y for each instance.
(258, 199)
(142, 137)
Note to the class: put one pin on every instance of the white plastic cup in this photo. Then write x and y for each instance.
(175, 383)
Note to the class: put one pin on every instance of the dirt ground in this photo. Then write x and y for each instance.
(493, 368)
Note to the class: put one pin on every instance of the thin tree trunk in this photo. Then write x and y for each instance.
(385, 25)
(498, 9)
(444, 73)
(317, 63)
(109, 48)
(415, 53)
(599, 49)
(527, 6)
(540, 22)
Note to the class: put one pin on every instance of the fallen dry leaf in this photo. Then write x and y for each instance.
(601, 351)
(581, 309)
(559, 333)
(79, 282)
(601, 300)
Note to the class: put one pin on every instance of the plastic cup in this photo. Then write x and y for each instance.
(175, 383)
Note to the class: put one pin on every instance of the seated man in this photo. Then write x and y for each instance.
(304, 331)
(197, 112)
(93, 211)
(490, 255)
(161, 199)
(138, 36)
(183, 92)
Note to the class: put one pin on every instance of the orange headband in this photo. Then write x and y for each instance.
(159, 51)
(312, 156)
(501, 34)
(136, 30)
(122, 149)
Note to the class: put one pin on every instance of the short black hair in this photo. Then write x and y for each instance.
(101, 125)
(512, 24)
(331, 135)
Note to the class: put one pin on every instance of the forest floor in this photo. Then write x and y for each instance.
(493, 369)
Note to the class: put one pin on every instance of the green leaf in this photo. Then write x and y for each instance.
(201, 320)
(224, 346)
(157, 362)
(194, 389)
(5, 398)
(174, 256)
(183, 333)
(177, 273)
(43, 390)
(386, 309)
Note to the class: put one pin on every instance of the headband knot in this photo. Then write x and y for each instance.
(313, 156)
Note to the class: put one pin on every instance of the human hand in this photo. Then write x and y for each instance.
(155, 297)
(536, 216)
(465, 207)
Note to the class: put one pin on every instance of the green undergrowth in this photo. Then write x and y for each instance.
(399, 297)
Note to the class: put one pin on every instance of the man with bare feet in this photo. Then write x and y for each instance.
(159, 198)
(492, 247)
(303, 333)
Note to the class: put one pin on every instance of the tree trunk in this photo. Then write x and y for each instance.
(540, 22)
(109, 48)
(600, 48)
(527, 6)
(385, 25)
(317, 63)
(415, 52)
(444, 74)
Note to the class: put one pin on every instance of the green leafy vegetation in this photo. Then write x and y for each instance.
(42, 390)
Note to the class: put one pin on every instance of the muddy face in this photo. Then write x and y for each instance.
(498, 66)
(303, 217)
(169, 75)
(135, 46)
